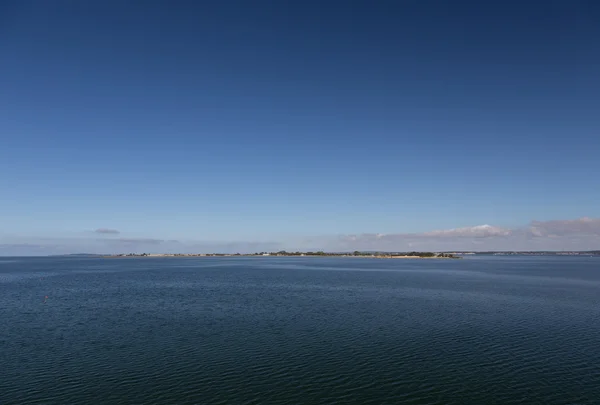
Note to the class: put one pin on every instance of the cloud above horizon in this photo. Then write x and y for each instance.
(57, 246)
(569, 234)
(107, 231)
(582, 226)
(573, 234)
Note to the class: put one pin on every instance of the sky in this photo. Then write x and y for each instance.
(255, 125)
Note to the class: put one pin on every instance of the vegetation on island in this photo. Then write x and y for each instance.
(298, 253)
(357, 253)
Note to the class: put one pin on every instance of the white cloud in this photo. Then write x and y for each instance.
(557, 228)
(579, 234)
(479, 231)
(569, 234)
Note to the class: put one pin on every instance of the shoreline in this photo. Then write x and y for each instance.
(176, 255)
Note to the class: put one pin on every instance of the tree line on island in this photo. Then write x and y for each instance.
(357, 254)
(298, 253)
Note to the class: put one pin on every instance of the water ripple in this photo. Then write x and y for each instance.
(252, 332)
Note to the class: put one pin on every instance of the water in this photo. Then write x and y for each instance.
(496, 330)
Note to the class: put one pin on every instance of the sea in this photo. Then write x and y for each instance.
(304, 330)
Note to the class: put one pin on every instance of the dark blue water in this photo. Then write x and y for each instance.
(504, 330)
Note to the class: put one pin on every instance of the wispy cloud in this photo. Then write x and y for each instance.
(107, 231)
(582, 233)
(147, 241)
(24, 246)
(582, 226)
(479, 231)
(566, 234)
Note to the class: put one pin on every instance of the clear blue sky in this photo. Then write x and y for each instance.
(259, 120)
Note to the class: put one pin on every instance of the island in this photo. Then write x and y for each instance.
(283, 253)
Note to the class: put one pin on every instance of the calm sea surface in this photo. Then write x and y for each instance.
(495, 330)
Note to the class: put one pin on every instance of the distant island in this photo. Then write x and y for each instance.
(533, 253)
(368, 254)
(283, 253)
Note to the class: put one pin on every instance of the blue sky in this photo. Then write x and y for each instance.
(230, 124)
